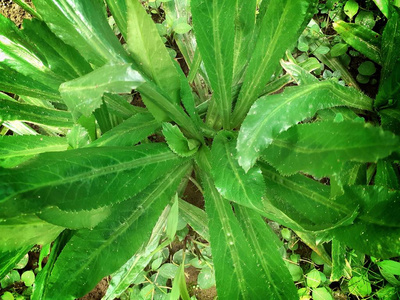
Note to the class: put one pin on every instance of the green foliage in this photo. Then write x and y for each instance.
(98, 173)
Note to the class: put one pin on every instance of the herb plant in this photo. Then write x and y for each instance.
(90, 170)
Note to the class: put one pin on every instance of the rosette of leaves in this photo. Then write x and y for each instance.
(78, 167)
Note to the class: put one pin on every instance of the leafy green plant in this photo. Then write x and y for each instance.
(91, 169)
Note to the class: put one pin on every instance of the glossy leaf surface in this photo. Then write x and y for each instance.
(281, 25)
(321, 149)
(84, 26)
(273, 114)
(16, 111)
(177, 142)
(93, 251)
(8, 259)
(82, 179)
(17, 149)
(195, 217)
(130, 132)
(360, 38)
(234, 261)
(150, 55)
(266, 246)
(230, 179)
(84, 94)
(24, 231)
(213, 23)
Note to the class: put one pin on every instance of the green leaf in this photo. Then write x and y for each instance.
(118, 10)
(130, 132)
(390, 118)
(362, 39)
(367, 68)
(351, 8)
(280, 28)
(84, 27)
(304, 203)
(90, 254)
(387, 175)
(24, 231)
(195, 217)
(338, 260)
(13, 110)
(339, 49)
(84, 94)
(28, 277)
(389, 87)
(8, 259)
(230, 179)
(245, 20)
(321, 293)
(383, 6)
(61, 58)
(321, 149)
(177, 142)
(82, 179)
(214, 27)
(172, 221)
(151, 56)
(78, 137)
(273, 114)
(238, 272)
(360, 286)
(390, 266)
(17, 149)
(182, 28)
(266, 245)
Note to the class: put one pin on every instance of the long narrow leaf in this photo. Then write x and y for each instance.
(93, 251)
(82, 179)
(213, 23)
(271, 115)
(281, 26)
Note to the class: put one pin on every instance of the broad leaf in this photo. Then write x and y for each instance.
(235, 263)
(361, 38)
(84, 26)
(84, 94)
(230, 179)
(281, 25)
(273, 114)
(321, 149)
(90, 254)
(214, 25)
(130, 132)
(27, 230)
(16, 111)
(82, 179)
(61, 58)
(304, 201)
(151, 56)
(17, 149)
(27, 71)
(266, 246)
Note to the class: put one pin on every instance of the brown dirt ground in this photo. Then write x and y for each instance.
(14, 12)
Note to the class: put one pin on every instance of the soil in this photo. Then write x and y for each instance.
(14, 12)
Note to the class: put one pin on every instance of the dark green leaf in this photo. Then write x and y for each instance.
(17, 149)
(82, 179)
(195, 217)
(266, 245)
(273, 114)
(321, 149)
(83, 26)
(90, 254)
(387, 175)
(214, 26)
(280, 28)
(230, 179)
(238, 272)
